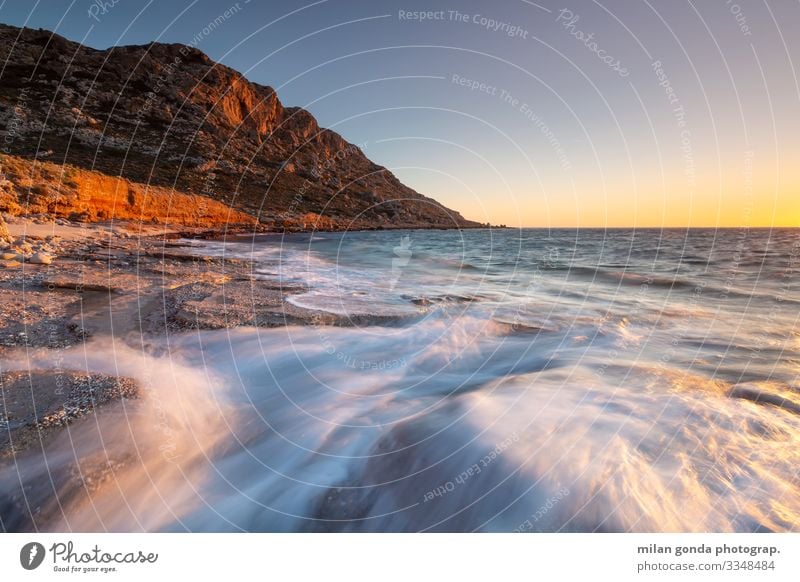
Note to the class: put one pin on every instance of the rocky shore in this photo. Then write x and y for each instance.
(37, 403)
(63, 283)
(110, 158)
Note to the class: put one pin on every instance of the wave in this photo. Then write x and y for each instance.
(485, 400)
(463, 428)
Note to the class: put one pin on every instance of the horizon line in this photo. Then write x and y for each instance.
(632, 227)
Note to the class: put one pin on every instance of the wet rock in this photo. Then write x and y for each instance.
(771, 395)
(36, 403)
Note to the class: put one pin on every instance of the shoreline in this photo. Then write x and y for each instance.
(222, 234)
(233, 397)
(125, 281)
(128, 282)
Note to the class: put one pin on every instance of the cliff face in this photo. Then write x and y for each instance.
(166, 115)
(37, 187)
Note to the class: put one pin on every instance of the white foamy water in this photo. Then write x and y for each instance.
(534, 381)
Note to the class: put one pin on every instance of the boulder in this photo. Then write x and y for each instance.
(41, 259)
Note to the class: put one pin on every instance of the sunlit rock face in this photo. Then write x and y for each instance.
(167, 115)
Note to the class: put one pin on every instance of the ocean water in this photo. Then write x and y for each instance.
(504, 380)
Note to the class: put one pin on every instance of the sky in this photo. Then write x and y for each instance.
(571, 113)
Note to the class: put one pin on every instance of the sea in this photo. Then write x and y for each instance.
(493, 380)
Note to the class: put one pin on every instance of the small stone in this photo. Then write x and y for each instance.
(41, 259)
(9, 256)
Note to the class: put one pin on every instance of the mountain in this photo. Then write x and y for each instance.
(165, 118)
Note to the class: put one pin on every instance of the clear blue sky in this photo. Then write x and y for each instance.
(563, 128)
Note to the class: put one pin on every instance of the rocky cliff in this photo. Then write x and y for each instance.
(165, 116)
(62, 191)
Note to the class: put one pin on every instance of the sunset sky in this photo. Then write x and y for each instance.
(575, 113)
